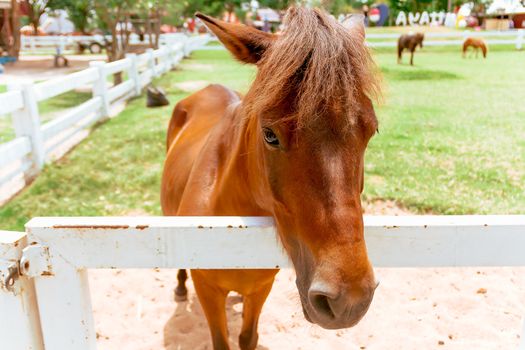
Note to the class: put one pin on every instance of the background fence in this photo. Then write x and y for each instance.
(510, 37)
(50, 43)
(35, 141)
(515, 38)
(44, 291)
(452, 38)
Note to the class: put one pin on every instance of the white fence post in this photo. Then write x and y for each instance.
(151, 62)
(187, 47)
(519, 43)
(164, 60)
(66, 293)
(19, 318)
(134, 73)
(100, 87)
(26, 123)
(170, 56)
(62, 289)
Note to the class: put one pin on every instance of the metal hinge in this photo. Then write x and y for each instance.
(35, 261)
(9, 276)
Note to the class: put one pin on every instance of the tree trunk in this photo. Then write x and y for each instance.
(34, 23)
(14, 47)
(113, 51)
(157, 27)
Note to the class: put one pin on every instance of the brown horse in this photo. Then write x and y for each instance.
(292, 148)
(410, 42)
(476, 44)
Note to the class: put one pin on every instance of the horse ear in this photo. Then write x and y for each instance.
(247, 44)
(355, 25)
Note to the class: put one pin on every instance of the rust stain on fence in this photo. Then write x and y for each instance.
(95, 227)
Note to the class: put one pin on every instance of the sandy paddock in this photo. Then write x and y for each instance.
(447, 308)
(413, 309)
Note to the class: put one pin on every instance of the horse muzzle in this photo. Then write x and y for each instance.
(330, 309)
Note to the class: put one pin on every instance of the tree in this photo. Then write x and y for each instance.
(150, 13)
(114, 17)
(10, 31)
(80, 12)
(35, 10)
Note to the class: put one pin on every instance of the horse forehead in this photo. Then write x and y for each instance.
(329, 158)
(333, 131)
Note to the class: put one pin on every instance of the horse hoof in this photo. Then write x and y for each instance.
(181, 296)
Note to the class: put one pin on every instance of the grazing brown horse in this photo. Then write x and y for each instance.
(410, 42)
(292, 148)
(476, 44)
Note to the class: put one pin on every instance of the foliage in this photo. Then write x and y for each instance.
(35, 10)
(337, 7)
(110, 14)
(80, 12)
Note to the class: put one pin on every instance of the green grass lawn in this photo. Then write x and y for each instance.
(452, 134)
(451, 142)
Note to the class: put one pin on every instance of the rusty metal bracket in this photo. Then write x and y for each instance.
(35, 261)
(8, 276)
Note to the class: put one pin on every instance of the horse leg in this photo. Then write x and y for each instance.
(181, 293)
(251, 310)
(412, 57)
(399, 54)
(213, 302)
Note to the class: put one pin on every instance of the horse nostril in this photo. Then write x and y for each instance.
(321, 304)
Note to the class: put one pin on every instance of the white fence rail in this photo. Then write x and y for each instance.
(35, 142)
(50, 43)
(49, 303)
(510, 37)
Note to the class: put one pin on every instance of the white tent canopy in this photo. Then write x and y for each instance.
(57, 23)
(505, 7)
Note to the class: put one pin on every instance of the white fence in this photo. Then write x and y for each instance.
(510, 37)
(50, 43)
(44, 291)
(35, 142)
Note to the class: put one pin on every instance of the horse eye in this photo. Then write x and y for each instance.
(270, 137)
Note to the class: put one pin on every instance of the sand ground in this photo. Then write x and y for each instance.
(446, 308)
(467, 308)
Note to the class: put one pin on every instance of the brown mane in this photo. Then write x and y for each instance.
(317, 62)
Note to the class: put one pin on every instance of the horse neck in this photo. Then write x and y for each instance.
(241, 179)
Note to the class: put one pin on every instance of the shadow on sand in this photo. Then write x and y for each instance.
(187, 328)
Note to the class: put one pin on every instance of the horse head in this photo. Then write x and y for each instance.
(312, 117)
